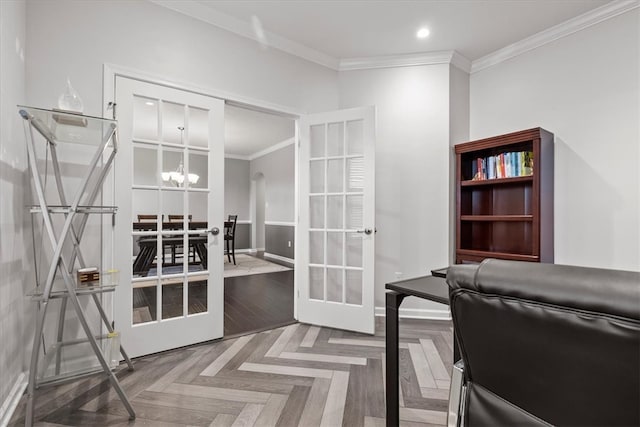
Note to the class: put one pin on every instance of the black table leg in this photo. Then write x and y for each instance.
(393, 301)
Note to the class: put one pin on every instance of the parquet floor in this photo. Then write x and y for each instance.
(298, 375)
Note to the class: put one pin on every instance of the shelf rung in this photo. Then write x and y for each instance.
(60, 209)
(78, 341)
(68, 377)
(37, 295)
(493, 181)
(496, 218)
(500, 255)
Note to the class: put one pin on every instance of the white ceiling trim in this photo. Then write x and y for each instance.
(549, 35)
(236, 157)
(276, 147)
(408, 60)
(197, 10)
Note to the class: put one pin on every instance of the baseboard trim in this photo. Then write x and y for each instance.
(418, 313)
(246, 251)
(281, 223)
(280, 258)
(11, 402)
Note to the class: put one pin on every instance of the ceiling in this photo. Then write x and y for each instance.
(328, 31)
(350, 29)
(248, 132)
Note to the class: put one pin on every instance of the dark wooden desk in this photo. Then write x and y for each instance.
(427, 287)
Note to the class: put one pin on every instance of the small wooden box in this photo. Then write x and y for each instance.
(88, 277)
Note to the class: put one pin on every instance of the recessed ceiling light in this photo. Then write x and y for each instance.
(423, 33)
(150, 103)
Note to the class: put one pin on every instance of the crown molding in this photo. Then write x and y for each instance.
(408, 60)
(461, 62)
(278, 146)
(257, 154)
(236, 157)
(573, 25)
(200, 11)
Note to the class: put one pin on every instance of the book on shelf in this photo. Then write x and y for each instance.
(503, 165)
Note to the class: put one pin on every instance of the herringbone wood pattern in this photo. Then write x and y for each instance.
(298, 375)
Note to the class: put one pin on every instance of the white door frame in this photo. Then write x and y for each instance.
(111, 71)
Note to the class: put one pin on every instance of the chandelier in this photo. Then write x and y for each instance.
(177, 176)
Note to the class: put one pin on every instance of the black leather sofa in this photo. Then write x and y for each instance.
(545, 344)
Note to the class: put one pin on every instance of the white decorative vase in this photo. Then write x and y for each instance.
(69, 100)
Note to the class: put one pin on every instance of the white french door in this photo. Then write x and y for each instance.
(169, 175)
(336, 232)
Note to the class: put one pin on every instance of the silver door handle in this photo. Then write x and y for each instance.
(366, 231)
(215, 231)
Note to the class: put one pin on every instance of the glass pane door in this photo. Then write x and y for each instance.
(336, 246)
(176, 143)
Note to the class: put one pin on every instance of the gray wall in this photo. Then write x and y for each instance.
(278, 238)
(243, 236)
(278, 169)
(160, 41)
(260, 209)
(591, 104)
(237, 188)
(412, 169)
(14, 323)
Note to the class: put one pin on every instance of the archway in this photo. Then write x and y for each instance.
(258, 210)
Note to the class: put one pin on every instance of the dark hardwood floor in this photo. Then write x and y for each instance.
(257, 302)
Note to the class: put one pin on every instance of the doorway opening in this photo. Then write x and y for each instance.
(260, 194)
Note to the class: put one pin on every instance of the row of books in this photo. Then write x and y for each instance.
(503, 165)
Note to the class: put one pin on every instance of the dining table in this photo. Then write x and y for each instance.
(148, 244)
(149, 247)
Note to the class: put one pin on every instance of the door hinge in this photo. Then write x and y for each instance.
(112, 106)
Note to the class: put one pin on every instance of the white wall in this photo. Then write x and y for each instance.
(278, 168)
(237, 188)
(412, 168)
(75, 39)
(585, 89)
(14, 308)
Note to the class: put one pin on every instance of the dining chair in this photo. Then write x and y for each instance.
(147, 219)
(179, 218)
(145, 257)
(176, 250)
(230, 237)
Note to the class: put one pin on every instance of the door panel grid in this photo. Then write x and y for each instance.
(335, 205)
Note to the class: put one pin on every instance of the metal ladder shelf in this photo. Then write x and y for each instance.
(58, 127)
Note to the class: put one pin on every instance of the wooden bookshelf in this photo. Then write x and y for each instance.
(505, 217)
